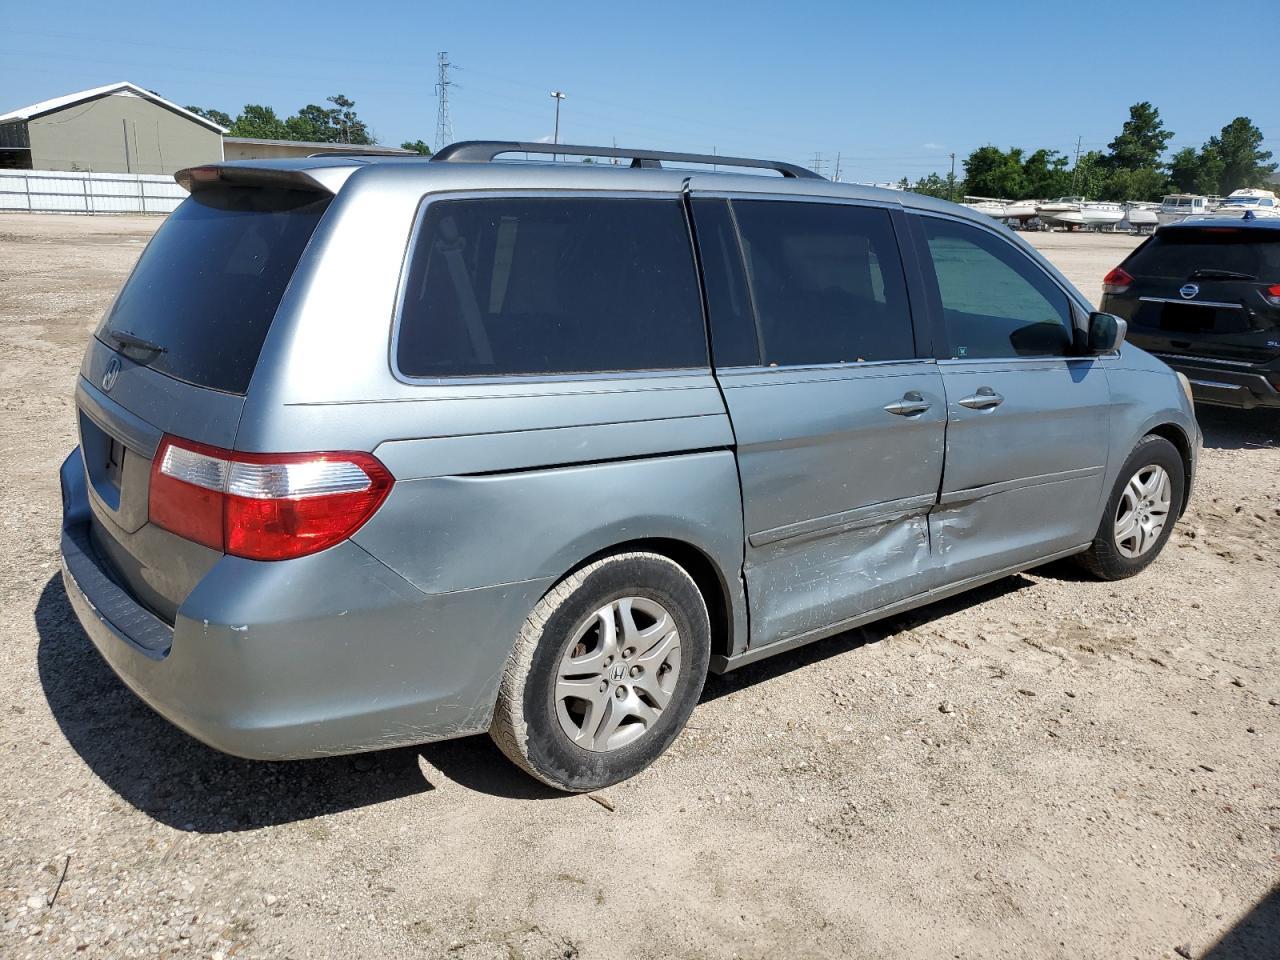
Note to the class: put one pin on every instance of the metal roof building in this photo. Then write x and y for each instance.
(255, 148)
(118, 128)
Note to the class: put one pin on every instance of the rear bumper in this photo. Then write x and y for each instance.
(332, 653)
(1231, 386)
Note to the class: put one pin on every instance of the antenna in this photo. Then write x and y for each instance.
(444, 126)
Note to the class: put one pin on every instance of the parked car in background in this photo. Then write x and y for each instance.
(379, 451)
(1204, 296)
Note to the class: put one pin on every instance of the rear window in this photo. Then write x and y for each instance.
(547, 285)
(828, 282)
(208, 285)
(1175, 254)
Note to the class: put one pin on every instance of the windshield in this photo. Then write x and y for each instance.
(206, 289)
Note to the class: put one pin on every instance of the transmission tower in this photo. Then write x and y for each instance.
(444, 126)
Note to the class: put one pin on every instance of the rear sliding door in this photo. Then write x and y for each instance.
(839, 422)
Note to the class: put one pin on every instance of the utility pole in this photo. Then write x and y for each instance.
(816, 165)
(951, 180)
(557, 96)
(444, 126)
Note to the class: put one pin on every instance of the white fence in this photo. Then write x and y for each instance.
(59, 191)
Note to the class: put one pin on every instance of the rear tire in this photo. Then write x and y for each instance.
(605, 672)
(1140, 513)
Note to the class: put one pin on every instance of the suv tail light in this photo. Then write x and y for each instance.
(1272, 293)
(1117, 281)
(263, 506)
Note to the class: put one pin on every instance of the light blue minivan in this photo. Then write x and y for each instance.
(379, 451)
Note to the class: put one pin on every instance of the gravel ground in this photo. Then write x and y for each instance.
(1047, 767)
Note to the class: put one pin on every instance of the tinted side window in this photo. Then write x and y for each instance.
(733, 326)
(827, 281)
(549, 285)
(995, 301)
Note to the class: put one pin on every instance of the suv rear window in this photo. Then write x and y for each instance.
(547, 285)
(208, 285)
(1176, 253)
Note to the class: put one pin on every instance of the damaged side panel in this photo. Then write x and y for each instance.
(802, 585)
(836, 487)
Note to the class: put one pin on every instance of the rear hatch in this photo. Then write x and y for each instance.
(175, 355)
(1205, 290)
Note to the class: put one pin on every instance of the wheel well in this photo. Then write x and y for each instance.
(1175, 435)
(705, 575)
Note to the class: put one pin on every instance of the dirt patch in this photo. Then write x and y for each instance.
(1046, 767)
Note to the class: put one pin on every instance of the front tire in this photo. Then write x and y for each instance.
(605, 672)
(1140, 513)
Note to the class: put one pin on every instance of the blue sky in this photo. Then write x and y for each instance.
(893, 87)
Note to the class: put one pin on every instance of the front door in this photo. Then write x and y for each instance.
(839, 424)
(1027, 417)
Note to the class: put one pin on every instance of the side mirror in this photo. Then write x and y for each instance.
(1106, 333)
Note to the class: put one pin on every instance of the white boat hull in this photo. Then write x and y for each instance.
(1083, 215)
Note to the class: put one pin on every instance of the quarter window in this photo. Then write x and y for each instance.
(995, 301)
(550, 286)
(827, 281)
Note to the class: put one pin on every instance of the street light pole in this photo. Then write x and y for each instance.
(557, 96)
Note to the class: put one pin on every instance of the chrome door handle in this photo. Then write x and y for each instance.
(984, 399)
(911, 404)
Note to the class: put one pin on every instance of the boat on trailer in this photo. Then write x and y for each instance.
(1072, 212)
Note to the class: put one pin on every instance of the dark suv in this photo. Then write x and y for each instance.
(1204, 296)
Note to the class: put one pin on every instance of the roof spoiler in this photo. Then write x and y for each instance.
(316, 180)
(484, 151)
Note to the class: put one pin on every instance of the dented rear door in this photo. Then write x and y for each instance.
(839, 424)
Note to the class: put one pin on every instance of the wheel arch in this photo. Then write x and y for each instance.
(1182, 443)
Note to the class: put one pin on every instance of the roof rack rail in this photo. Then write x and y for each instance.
(484, 151)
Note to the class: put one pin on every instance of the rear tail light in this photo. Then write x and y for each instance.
(1117, 281)
(1272, 294)
(263, 506)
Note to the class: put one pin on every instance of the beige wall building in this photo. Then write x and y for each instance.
(251, 148)
(119, 128)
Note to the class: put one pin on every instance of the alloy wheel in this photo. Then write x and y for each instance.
(618, 674)
(1143, 511)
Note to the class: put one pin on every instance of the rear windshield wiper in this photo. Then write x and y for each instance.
(1220, 275)
(127, 342)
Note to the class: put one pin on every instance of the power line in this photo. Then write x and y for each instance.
(444, 125)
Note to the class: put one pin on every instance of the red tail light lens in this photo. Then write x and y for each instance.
(1272, 293)
(1117, 281)
(263, 506)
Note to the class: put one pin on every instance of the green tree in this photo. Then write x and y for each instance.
(348, 127)
(1241, 161)
(1142, 140)
(217, 116)
(1184, 170)
(1089, 178)
(417, 146)
(312, 123)
(934, 186)
(1045, 175)
(1145, 183)
(991, 172)
(259, 122)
